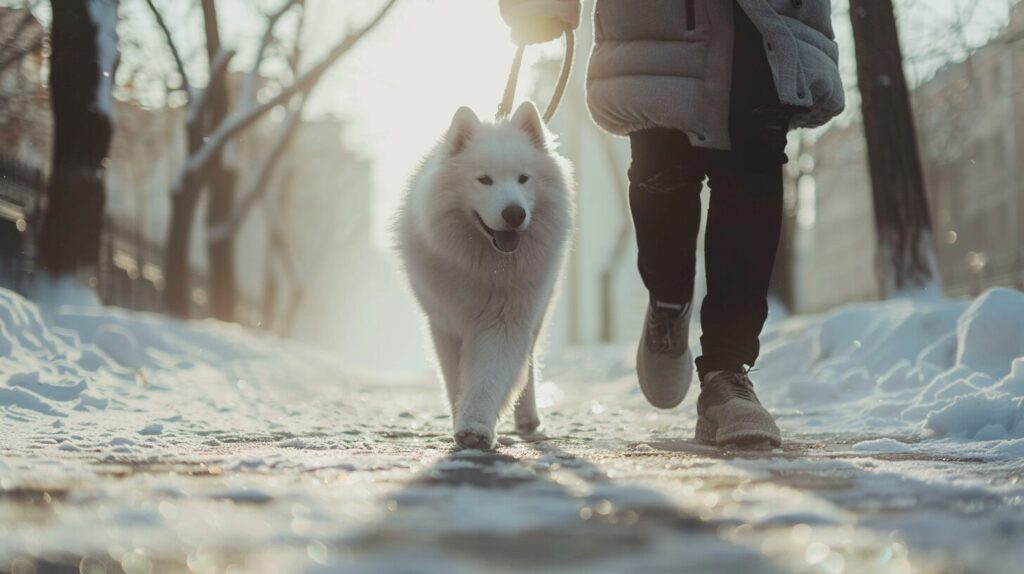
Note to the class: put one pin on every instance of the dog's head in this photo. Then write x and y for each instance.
(502, 175)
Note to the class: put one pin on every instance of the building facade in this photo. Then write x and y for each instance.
(835, 234)
(970, 122)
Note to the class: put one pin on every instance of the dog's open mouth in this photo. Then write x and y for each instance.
(504, 240)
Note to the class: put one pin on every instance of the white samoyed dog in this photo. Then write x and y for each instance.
(482, 234)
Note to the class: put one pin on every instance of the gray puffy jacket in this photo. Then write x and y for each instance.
(668, 63)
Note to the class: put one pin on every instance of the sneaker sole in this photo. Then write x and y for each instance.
(707, 432)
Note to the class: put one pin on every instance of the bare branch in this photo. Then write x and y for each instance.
(10, 51)
(243, 119)
(249, 85)
(217, 69)
(295, 58)
(17, 54)
(261, 185)
(23, 23)
(185, 84)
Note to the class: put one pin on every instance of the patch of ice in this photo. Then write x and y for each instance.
(249, 495)
(886, 445)
(794, 518)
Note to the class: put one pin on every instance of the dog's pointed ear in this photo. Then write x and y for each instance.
(464, 126)
(528, 119)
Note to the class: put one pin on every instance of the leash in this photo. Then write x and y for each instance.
(505, 107)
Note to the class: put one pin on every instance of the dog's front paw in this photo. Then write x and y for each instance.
(475, 437)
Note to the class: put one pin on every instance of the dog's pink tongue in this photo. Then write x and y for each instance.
(506, 241)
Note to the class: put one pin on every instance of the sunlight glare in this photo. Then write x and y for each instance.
(400, 91)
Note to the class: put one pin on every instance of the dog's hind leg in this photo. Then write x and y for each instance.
(446, 345)
(492, 366)
(526, 415)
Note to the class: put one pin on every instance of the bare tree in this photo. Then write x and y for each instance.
(82, 64)
(220, 181)
(227, 228)
(204, 151)
(186, 192)
(905, 254)
(24, 120)
(20, 33)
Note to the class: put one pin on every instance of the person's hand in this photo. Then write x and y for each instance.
(536, 21)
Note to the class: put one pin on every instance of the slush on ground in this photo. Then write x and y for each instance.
(131, 442)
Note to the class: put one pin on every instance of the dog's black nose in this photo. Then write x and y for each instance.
(513, 215)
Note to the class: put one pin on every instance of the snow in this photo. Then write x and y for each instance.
(937, 369)
(47, 290)
(134, 442)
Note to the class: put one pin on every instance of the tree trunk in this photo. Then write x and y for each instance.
(220, 187)
(177, 271)
(269, 307)
(204, 155)
(905, 254)
(82, 62)
(223, 282)
(177, 267)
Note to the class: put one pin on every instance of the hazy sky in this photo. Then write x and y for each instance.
(403, 85)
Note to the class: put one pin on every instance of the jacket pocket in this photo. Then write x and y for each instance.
(691, 15)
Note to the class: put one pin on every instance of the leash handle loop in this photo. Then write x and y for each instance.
(507, 99)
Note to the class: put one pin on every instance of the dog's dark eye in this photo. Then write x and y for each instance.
(524, 178)
(486, 180)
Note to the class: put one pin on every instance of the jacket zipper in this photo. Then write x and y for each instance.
(691, 14)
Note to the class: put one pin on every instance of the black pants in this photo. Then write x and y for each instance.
(744, 216)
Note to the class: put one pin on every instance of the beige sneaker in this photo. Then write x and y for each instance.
(664, 364)
(729, 413)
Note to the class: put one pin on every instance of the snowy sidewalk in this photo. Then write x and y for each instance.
(130, 442)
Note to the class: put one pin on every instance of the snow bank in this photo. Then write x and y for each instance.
(942, 374)
(893, 376)
(114, 381)
(943, 369)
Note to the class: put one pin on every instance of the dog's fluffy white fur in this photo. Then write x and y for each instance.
(484, 281)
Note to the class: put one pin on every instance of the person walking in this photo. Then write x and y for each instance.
(704, 89)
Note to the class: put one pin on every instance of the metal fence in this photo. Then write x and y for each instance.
(21, 190)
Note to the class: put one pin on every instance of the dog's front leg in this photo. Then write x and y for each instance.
(526, 416)
(446, 345)
(492, 365)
